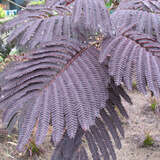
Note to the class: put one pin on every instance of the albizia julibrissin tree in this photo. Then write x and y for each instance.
(72, 76)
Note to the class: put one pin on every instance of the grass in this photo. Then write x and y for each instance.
(153, 106)
(134, 85)
(148, 141)
(153, 103)
(32, 149)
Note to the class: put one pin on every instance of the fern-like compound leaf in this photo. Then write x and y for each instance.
(133, 52)
(34, 26)
(63, 3)
(98, 138)
(62, 82)
(145, 13)
(91, 15)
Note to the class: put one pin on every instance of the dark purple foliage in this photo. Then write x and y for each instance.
(72, 77)
(133, 55)
(145, 13)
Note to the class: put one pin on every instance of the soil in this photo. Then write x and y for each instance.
(142, 122)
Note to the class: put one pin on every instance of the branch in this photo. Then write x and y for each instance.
(15, 4)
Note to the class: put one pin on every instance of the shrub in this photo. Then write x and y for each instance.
(72, 75)
(2, 13)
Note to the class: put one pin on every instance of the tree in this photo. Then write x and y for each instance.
(73, 73)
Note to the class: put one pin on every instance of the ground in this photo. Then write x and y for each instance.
(142, 121)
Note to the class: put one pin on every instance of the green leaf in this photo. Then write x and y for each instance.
(108, 5)
(37, 2)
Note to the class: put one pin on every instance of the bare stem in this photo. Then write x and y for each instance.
(15, 4)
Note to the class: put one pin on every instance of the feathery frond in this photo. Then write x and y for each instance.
(97, 138)
(51, 3)
(145, 13)
(131, 52)
(34, 26)
(92, 15)
(62, 81)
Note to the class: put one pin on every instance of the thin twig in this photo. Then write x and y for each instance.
(16, 4)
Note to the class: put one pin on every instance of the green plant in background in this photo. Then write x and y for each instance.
(1, 57)
(148, 141)
(112, 5)
(39, 2)
(32, 149)
(153, 104)
(5, 50)
(2, 13)
(108, 5)
(134, 85)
